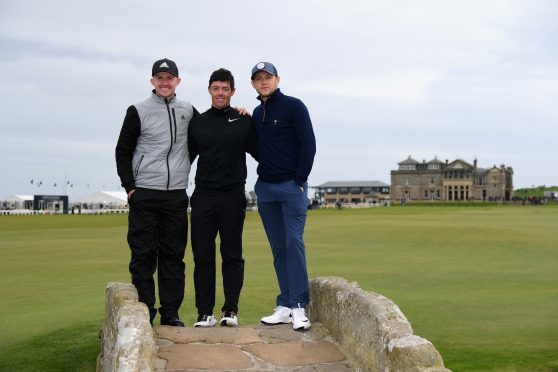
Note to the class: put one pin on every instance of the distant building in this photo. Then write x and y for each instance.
(351, 191)
(34, 204)
(251, 200)
(51, 203)
(458, 180)
(551, 194)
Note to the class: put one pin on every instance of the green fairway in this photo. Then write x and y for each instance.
(481, 283)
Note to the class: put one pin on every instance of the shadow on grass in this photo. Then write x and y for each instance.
(69, 349)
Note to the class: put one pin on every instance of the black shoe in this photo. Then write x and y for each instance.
(172, 321)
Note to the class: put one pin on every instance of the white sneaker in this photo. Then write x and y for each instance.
(281, 315)
(205, 321)
(300, 320)
(229, 319)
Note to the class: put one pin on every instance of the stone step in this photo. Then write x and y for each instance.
(248, 348)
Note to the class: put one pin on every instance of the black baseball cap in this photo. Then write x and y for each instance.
(264, 66)
(164, 65)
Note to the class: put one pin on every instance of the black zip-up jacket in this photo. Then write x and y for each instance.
(221, 138)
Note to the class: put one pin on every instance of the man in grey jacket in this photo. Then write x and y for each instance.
(153, 164)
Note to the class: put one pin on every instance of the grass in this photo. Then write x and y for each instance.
(479, 282)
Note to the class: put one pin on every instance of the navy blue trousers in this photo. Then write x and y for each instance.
(282, 207)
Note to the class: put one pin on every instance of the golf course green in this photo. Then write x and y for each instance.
(481, 283)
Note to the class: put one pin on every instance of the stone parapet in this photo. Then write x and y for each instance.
(127, 342)
(370, 328)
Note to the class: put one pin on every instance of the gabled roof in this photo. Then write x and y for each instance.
(353, 184)
(494, 168)
(19, 197)
(459, 164)
(409, 160)
(435, 161)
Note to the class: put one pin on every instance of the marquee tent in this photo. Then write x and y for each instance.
(104, 199)
(18, 202)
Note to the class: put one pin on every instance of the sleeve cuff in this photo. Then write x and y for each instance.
(129, 187)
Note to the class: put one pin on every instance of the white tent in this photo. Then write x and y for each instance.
(103, 200)
(106, 197)
(18, 202)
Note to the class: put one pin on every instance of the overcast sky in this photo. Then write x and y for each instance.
(382, 81)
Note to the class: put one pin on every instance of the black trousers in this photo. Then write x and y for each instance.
(157, 235)
(214, 213)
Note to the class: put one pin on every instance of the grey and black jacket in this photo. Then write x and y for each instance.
(152, 149)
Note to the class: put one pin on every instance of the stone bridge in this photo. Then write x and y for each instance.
(352, 330)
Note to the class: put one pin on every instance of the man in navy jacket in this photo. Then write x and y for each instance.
(287, 147)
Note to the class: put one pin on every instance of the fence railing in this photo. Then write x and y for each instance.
(21, 212)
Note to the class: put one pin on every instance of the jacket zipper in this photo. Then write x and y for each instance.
(138, 166)
(170, 149)
(174, 120)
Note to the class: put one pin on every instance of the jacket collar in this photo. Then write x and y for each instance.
(224, 110)
(276, 94)
(158, 98)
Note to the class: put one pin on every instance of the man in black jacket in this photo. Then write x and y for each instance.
(153, 165)
(221, 137)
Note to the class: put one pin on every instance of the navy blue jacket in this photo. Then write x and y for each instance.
(287, 145)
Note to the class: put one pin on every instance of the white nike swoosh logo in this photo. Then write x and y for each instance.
(231, 120)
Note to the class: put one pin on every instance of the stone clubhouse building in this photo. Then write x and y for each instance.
(450, 181)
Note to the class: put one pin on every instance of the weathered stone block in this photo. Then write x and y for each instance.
(127, 337)
(211, 335)
(296, 353)
(414, 353)
(364, 323)
(201, 357)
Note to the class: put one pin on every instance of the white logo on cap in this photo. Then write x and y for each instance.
(260, 65)
(164, 64)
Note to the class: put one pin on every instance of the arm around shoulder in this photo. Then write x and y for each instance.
(192, 144)
(252, 142)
